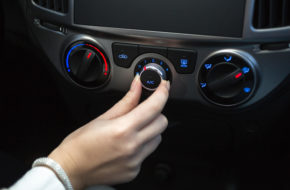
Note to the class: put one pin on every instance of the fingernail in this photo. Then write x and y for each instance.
(134, 83)
(167, 84)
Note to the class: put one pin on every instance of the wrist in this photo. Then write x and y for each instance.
(69, 166)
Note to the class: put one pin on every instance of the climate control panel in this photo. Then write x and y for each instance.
(225, 78)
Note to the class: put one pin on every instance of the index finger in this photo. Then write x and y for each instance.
(148, 110)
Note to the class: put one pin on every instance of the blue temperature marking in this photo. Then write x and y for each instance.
(153, 60)
(167, 69)
(247, 90)
(161, 63)
(67, 57)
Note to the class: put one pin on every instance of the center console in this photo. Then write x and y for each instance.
(213, 52)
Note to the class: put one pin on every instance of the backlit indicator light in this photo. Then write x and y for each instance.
(238, 75)
(144, 68)
(161, 63)
(90, 54)
(153, 60)
(228, 59)
(208, 66)
(123, 56)
(203, 85)
(183, 63)
(247, 90)
(150, 82)
(246, 70)
(68, 55)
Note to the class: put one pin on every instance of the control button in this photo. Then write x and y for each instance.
(151, 76)
(155, 63)
(150, 79)
(124, 54)
(183, 60)
(151, 49)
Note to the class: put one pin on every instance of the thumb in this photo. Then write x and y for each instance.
(128, 102)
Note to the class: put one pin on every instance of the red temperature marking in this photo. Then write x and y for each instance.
(104, 58)
(90, 54)
(238, 75)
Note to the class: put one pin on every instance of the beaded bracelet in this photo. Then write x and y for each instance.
(60, 173)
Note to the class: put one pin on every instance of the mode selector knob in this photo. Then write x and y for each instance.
(225, 80)
(151, 76)
(228, 77)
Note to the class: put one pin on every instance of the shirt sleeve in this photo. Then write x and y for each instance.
(38, 178)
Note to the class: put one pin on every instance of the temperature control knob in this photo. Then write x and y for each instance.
(87, 65)
(228, 78)
(151, 76)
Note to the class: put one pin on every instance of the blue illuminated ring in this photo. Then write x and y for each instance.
(68, 55)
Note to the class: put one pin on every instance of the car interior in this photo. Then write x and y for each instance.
(65, 62)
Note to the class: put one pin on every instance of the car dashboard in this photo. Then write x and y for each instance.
(220, 54)
(227, 63)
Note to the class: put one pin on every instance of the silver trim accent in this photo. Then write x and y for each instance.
(157, 56)
(158, 69)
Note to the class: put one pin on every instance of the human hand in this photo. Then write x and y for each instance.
(110, 149)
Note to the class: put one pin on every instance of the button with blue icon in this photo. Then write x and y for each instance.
(124, 54)
(184, 60)
(150, 78)
(184, 63)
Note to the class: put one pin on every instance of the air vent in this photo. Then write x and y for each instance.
(271, 14)
(56, 5)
